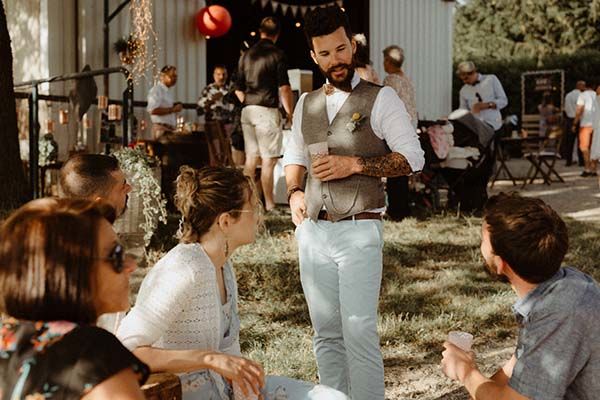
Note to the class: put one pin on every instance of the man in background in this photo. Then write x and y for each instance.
(571, 131)
(161, 105)
(482, 95)
(262, 79)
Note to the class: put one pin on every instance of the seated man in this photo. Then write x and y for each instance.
(558, 309)
(95, 177)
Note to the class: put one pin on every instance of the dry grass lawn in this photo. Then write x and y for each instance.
(433, 283)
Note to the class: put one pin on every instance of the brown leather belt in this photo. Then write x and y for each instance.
(324, 215)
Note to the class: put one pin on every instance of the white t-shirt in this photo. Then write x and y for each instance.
(587, 99)
(571, 102)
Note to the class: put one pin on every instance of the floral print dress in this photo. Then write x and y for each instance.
(59, 359)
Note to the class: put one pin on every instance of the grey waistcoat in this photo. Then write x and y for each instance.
(349, 196)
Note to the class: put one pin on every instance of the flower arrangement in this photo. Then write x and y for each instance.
(355, 122)
(48, 150)
(137, 165)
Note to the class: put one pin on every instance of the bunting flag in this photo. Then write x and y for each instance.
(297, 10)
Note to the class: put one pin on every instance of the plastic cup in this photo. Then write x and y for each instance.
(317, 150)
(462, 340)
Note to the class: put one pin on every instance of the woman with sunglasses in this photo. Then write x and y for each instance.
(185, 319)
(61, 266)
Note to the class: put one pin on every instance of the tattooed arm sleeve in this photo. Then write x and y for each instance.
(389, 165)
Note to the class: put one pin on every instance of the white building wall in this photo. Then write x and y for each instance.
(44, 44)
(423, 28)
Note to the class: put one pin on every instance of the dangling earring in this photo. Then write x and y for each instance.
(226, 248)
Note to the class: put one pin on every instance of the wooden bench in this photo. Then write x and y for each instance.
(162, 386)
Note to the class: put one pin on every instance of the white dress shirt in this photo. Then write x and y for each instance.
(487, 89)
(571, 102)
(160, 97)
(389, 120)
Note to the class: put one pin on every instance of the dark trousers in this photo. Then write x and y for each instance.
(397, 194)
(569, 140)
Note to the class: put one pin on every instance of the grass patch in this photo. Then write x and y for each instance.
(433, 282)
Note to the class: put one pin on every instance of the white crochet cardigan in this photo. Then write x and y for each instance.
(178, 307)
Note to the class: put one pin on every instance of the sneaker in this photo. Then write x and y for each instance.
(586, 174)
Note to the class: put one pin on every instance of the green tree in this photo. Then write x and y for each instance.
(13, 186)
(500, 29)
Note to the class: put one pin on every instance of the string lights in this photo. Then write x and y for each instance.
(143, 41)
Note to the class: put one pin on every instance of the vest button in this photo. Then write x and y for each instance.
(324, 196)
(329, 133)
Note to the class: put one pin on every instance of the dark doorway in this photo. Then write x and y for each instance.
(246, 17)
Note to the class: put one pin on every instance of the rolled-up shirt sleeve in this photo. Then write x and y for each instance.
(296, 152)
(391, 122)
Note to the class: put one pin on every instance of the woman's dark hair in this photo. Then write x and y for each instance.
(324, 21)
(202, 195)
(48, 249)
(528, 234)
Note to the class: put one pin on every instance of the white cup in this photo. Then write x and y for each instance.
(463, 340)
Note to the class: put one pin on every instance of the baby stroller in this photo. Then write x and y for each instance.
(459, 156)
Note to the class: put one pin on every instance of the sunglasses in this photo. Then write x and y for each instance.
(116, 257)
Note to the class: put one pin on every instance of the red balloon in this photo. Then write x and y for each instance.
(213, 21)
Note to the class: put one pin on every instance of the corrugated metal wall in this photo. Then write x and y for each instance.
(423, 28)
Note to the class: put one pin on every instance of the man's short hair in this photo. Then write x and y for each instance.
(167, 68)
(528, 234)
(395, 55)
(220, 66)
(269, 26)
(88, 175)
(466, 67)
(323, 21)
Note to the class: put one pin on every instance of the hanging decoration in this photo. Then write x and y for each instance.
(102, 102)
(143, 49)
(297, 10)
(63, 117)
(114, 112)
(213, 21)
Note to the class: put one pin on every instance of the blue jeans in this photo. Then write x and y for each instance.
(340, 270)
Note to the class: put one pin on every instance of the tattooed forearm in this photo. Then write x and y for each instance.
(390, 165)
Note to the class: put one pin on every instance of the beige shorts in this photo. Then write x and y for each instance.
(262, 131)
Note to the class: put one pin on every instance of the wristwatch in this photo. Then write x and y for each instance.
(491, 104)
(293, 190)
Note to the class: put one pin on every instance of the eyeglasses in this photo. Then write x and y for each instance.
(116, 257)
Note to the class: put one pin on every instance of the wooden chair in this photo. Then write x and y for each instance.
(162, 386)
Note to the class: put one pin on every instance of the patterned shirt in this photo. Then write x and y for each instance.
(406, 91)
(59, 359)
(215, 104)
(558, 350)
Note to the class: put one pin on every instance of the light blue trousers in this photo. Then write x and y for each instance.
(340, 270)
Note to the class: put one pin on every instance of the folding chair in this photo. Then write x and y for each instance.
(543, 155)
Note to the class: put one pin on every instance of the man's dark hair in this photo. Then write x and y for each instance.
(527, 234)
(48, 260)
(323, 21)
(269, 26)
(88, 175)
(167, 68)
(220, 66)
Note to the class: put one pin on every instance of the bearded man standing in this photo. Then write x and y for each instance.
(368, 135)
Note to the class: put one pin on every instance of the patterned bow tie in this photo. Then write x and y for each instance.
(328, 89)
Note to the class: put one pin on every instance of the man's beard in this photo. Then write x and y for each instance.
(346, 84)
(491, 271)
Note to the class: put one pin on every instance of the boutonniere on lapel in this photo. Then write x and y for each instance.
(355, 122)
